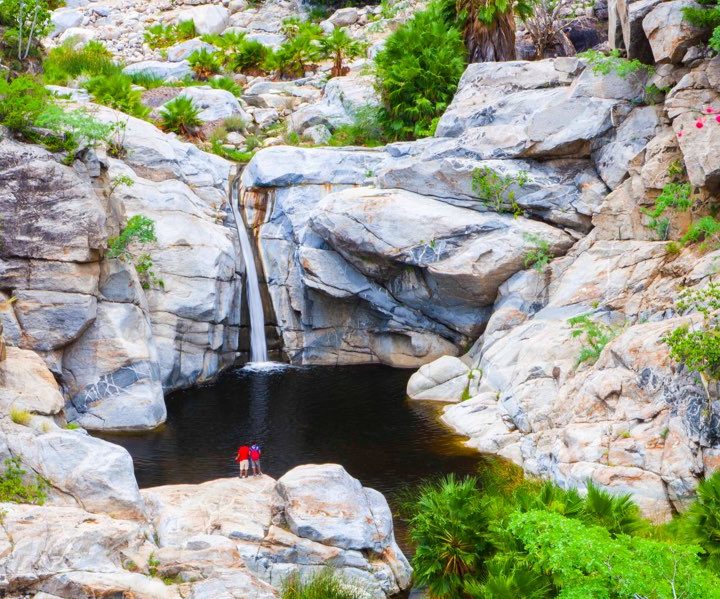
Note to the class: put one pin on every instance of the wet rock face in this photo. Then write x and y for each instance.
(115, 346)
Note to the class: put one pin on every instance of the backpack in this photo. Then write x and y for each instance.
(255, 452)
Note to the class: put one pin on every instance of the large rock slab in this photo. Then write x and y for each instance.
(669, 33)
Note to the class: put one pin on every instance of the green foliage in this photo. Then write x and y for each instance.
(119, 181)
(449, 527)
(235, 123)
(22, 101)
(698, 346)
(146, 80)
(26, 22)
(180, 116)
(538, 256)
(78, 126)
(702, 520)
(138, 231)
(678, 196)
(204, 63)
(19, 416)
(65, 63)
(16, 488)
(417, 73)
(339, 46)
(596, 335)
(604, 64)
(216, 147)
(153, 564)
(71, 426)
(298, 52)
(227, 84)
(497, 191)
(237, 53)
(162, 36)
(324, 585)
(366, 130)
(116, 92)
(714, 41)
(585, 561)
(705, 230)
(705, 14)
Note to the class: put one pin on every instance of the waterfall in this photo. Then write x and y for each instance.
(258, 346)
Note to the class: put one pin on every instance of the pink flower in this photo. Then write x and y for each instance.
(700, 123)
(710, 110)
(717, 118)
(680, 133)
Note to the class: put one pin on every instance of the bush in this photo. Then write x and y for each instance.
(339, 46)
(702, 520)
(146, 80)
(15, 489)
(180, 116)
(698, 348)
(538, 256)
(162, 36)
(324, 585)
(298, 52)
(227, 84)
(22, 101)
(705, 230)
(417, 73)
(497, 191)
(238, 53)
(116, 92)
(366, 131)
(677, 196)
(65, 63)
(77, 126)
(204, 63)
(138, 231)
(604, 64)
(26, 22)
(235, 123)
(596, 335)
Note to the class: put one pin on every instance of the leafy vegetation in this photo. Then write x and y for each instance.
(677, 196)
(706, 13)
(298, 52)
(162, 36)
(705, 230)
(26, 22)
(238, 53)
(604, 64)
(19, 416)
(366, 130)
(697, 346)
(504, 537)
(324, 585)
(180, 116)
(596, 335)
(538, 256)
(417, 73)
(116, 91)
(227, 84)
(138, 231)
(339, 46)
(65, 63)
(498, 191)
(204, 63)
(17, 487)
(22, 101)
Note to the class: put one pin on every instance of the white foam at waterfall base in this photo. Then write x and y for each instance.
(258, 346)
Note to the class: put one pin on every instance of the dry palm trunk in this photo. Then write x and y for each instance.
(493, 42)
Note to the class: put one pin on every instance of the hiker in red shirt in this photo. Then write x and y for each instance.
(255, 459)
(242, 457)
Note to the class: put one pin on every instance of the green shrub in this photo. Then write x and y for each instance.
(204, 63)
(25, 22)
(146, 80)
(324, 585)
(77, 126)
(497, 191)
(65, 63)
(702, 520)
(417, 73)
(22, 101)
(15, 488)
(116, 92)
(698, 347)
(298, 52)
(678, 196)
(705, 230)
(366, 130)
(596, 336)
(71, 426)
(162, 36)
(138, 231)
(339, 46)
(180, 116)
(235, 123)
(227, 84)
(238, 53)
(538, 256)
(604, 64)
(216, 147)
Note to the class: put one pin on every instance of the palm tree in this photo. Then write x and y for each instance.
(339, 46)
(489, 27)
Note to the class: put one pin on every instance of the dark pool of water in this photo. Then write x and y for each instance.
(356, 416)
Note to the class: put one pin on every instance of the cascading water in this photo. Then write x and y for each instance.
(258, 346)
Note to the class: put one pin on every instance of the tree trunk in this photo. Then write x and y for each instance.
(491, 43)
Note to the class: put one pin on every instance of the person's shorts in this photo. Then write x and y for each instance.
(243, 464)
(255, 463)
